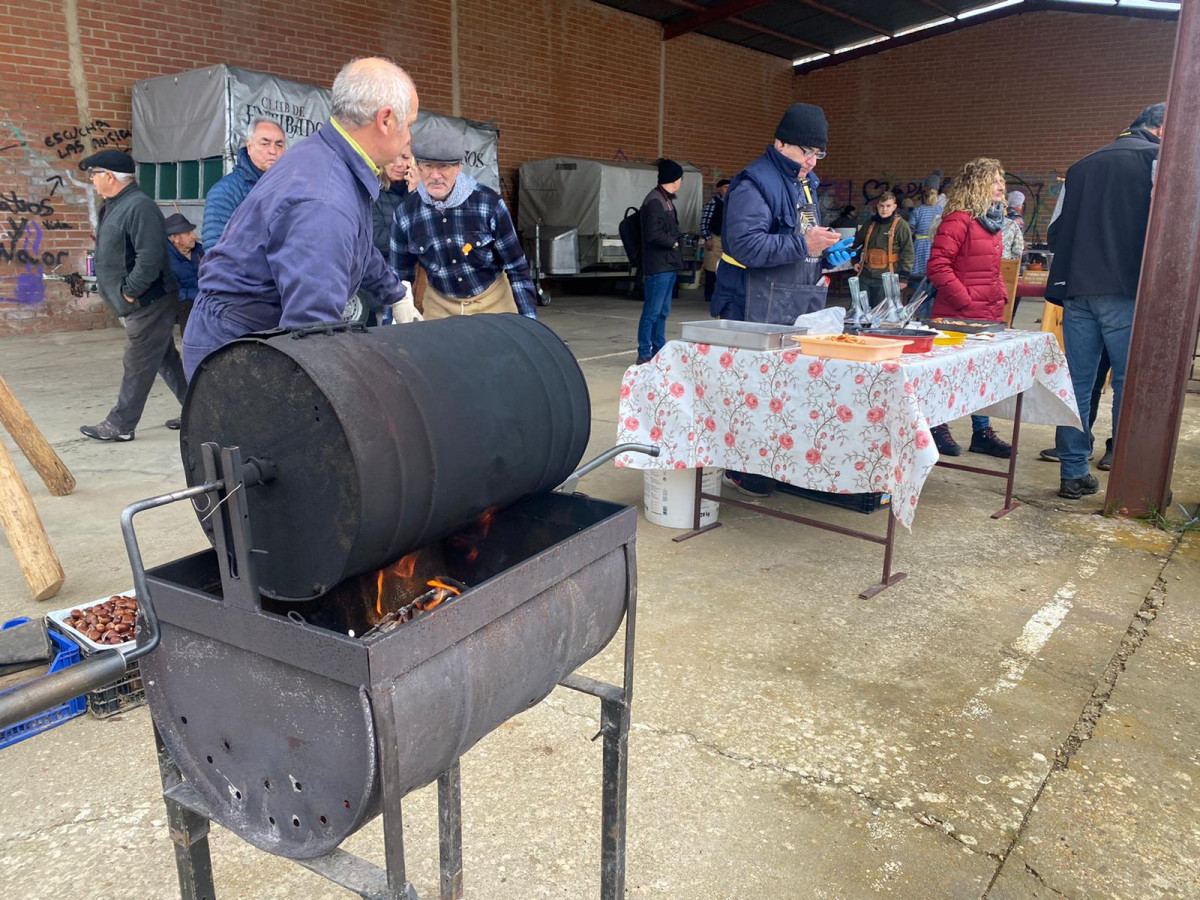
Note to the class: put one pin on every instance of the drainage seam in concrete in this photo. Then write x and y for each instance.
(1089, 716)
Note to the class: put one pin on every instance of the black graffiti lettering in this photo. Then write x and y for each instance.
(70, 149)
(57, 225)
(74, 133)
(10, 202)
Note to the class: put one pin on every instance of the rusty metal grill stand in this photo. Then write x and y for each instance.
(189, 818)
(889, 542)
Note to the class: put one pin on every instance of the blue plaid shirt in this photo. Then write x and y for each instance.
(462, 248)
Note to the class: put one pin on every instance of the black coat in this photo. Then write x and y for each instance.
(1100, 233)
(131, 252)
(660, 234)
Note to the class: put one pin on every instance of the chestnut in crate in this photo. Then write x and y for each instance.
(112, 622)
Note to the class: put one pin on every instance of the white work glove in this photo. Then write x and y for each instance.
(405, 311)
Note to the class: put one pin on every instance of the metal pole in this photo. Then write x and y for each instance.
(189, 834)
(1168, 301)
(449, 791)
(1009, 506)
(614, 725)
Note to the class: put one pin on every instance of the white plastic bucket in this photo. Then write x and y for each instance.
(670, 497)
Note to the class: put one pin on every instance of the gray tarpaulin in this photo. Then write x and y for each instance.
(204, 113)
(592, 195)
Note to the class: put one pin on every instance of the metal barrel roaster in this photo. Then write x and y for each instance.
(385, 440)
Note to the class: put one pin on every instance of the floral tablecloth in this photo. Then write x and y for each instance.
(830, 424)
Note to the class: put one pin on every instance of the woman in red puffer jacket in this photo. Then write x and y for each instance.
(964, 266)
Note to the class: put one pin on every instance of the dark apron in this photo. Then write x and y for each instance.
(778, 294)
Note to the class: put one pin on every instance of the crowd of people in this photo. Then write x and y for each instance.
(361, 208)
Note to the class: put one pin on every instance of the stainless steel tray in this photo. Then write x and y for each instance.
(746, 335)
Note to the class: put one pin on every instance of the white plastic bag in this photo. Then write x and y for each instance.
(830, 320)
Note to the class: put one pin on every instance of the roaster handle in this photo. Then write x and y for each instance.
(572, 482)
(44, 693)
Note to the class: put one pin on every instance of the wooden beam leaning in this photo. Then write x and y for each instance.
(26, 535)
(709, 16)
(1168, 301)
(33, 444)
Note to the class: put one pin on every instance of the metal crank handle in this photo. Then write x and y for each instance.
(572, 482)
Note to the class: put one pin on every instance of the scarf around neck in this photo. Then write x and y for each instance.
(464, 186)
(993, 219)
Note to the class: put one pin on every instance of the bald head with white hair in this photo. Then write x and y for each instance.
(375, 101)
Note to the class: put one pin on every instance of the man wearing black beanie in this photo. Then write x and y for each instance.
(661, 258)
(775, 250)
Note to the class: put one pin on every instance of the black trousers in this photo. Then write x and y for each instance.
(149, 351)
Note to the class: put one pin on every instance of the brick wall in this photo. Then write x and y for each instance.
(1037, 91)
(560, 77)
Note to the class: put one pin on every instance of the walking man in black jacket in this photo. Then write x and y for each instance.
(661, 258)
(1097, 235)
(134, 278)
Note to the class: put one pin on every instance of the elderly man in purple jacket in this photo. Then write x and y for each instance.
(300, 244)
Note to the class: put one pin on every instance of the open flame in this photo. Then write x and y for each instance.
(401, 568)
(442, 591)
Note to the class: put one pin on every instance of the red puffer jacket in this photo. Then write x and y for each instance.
(964, 266)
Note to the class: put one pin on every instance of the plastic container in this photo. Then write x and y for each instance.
(863, 503)
(66, 656)
(670, 497)
(863, 349)
(128, 693)
(950, 338)
(917, 340)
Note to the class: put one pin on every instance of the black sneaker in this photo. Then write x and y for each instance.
(1075, 488)
(174, 424)
(642, 360)
(1106, 460)
(758, 486)
(105, 431)
(944, 441)
(988, 442)
(1051, 455)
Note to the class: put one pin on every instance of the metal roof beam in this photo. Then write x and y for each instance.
(709, 16)
(831, 11)
(754, 26)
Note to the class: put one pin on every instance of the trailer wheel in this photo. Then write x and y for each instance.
(543, 297)
(356, 310)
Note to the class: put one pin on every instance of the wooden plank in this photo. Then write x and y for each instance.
(33, 444)
(1010, 274)
(19, 519)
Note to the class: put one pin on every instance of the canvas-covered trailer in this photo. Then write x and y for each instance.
(569, 208)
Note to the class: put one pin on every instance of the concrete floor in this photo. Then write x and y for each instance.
(1019, 718)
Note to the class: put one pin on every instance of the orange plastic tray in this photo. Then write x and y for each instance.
(865, 349)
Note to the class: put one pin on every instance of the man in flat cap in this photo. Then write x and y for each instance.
(461, 233)
(299, 246)
(135, 280)
(775, 250)
(184, 251)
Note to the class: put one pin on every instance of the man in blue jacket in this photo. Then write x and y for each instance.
(774, 252)
(300, 244)
(774, 249)
(264, 146)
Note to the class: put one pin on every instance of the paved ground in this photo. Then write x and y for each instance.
(1016, 719)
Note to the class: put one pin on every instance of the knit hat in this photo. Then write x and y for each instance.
(439, 142)
(111, 161)
(177, 223)
(804, 125)
(934, 181)
(668, 171)
(1016, 199)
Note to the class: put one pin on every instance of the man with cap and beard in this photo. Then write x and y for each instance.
(461, 233)
(775, 250)
(661, 258)
(135, 280)
(184, 252)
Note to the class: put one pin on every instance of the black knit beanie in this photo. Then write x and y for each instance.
(668, 171)
(804, 125)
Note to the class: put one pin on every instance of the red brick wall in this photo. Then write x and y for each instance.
(1037, 91)
(560, 77)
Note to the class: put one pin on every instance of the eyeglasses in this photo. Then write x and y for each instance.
(813, 152)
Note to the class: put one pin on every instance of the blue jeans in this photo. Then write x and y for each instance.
(1092, 324)
(652, 327)
(978, 423)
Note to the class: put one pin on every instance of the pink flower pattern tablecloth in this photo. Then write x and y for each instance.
(830, 424)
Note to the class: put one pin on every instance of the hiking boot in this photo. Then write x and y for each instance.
(986, 441)
(105, 431)
(758, 486)
(1076, 488)
(1051, 454)
(642, 360)
(174, 423)
(944, 441)
(1106, 460)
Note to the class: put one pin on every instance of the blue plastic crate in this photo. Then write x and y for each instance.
(67, 655)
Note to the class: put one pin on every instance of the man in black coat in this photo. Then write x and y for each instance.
(135, 280)
(661, 258)
(1098, 234)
